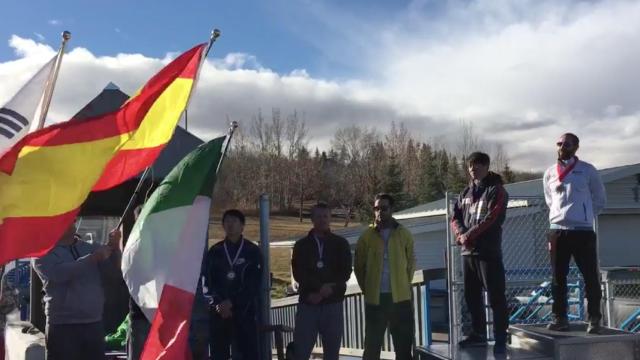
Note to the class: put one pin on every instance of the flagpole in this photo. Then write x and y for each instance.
(135, 195)
(215, 34)
(232, 128)
(36, 311)
(51, 82)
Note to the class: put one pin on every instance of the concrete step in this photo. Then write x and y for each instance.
(448, 352)
(611, 344)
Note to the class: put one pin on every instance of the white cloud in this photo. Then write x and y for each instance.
(235, 61)
(54, 22)
(237, 86)
(39, 36)
(522, 72)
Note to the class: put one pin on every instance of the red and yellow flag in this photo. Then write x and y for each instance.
(45, 178)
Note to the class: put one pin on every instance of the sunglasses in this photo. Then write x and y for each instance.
(381, 208)
(565, 144)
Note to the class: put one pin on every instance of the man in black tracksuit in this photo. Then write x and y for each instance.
(233, 278)
(477, 225)
(321, 265)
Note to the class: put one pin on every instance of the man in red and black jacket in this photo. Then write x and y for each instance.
(477, 225)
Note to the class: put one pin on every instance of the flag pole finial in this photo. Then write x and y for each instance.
(215, 34)
(233, 126)
(51, 82)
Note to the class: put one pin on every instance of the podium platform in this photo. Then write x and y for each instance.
(447, 352)
(610, 344)
(535, 342)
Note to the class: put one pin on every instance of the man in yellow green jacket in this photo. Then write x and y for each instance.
(384, 263)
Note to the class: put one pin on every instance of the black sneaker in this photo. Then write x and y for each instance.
(559, 324)
(594, 328)
(473, 340)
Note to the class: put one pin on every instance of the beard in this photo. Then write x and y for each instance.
(564, 155)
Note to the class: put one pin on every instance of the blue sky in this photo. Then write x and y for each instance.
(280, 34)
(521, 72)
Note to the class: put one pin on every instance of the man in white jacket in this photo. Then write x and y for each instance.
(575, 195)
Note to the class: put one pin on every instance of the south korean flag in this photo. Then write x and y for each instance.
(17, 115)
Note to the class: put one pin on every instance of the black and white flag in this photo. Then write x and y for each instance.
(17, 115)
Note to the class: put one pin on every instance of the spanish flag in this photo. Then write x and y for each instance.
(45, 177)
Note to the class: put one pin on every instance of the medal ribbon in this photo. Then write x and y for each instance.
(320, 247)
(226, 251)
(563, 173)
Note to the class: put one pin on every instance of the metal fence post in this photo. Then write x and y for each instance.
(454, 329)
(426, 296)
(607, 294)
(265, 293)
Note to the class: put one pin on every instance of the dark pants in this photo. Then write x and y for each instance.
(311, 320)
(199, 337)
(582, 245)
(137, 336)
(75, 341)
(487, 274)
(398, 317)
(239, 333)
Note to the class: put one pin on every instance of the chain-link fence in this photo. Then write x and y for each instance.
(527, 270)
(622, 298)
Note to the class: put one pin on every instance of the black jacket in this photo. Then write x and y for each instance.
(243, 290)
(479, 213)
(337, 266)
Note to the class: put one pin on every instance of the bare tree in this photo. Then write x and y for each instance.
(276, 130)
(499, 159)
(296, 134)
(397, 139)
(468, 141)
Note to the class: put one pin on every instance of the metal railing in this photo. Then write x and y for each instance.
(283, 311)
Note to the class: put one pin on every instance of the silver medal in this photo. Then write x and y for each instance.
(320, 264)
(231, 274)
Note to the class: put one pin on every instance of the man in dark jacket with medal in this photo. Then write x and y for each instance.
(575, 195)
(233, 278)
(477, 225)
(321, 265)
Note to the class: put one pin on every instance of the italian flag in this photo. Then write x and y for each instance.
(163, 255)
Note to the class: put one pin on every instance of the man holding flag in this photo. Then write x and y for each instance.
(74, 298)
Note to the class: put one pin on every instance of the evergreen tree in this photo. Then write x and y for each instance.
(394, 183)
(429, 185)
(456, 180)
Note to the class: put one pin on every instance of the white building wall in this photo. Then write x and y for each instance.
(624, 193)
(619, 239)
